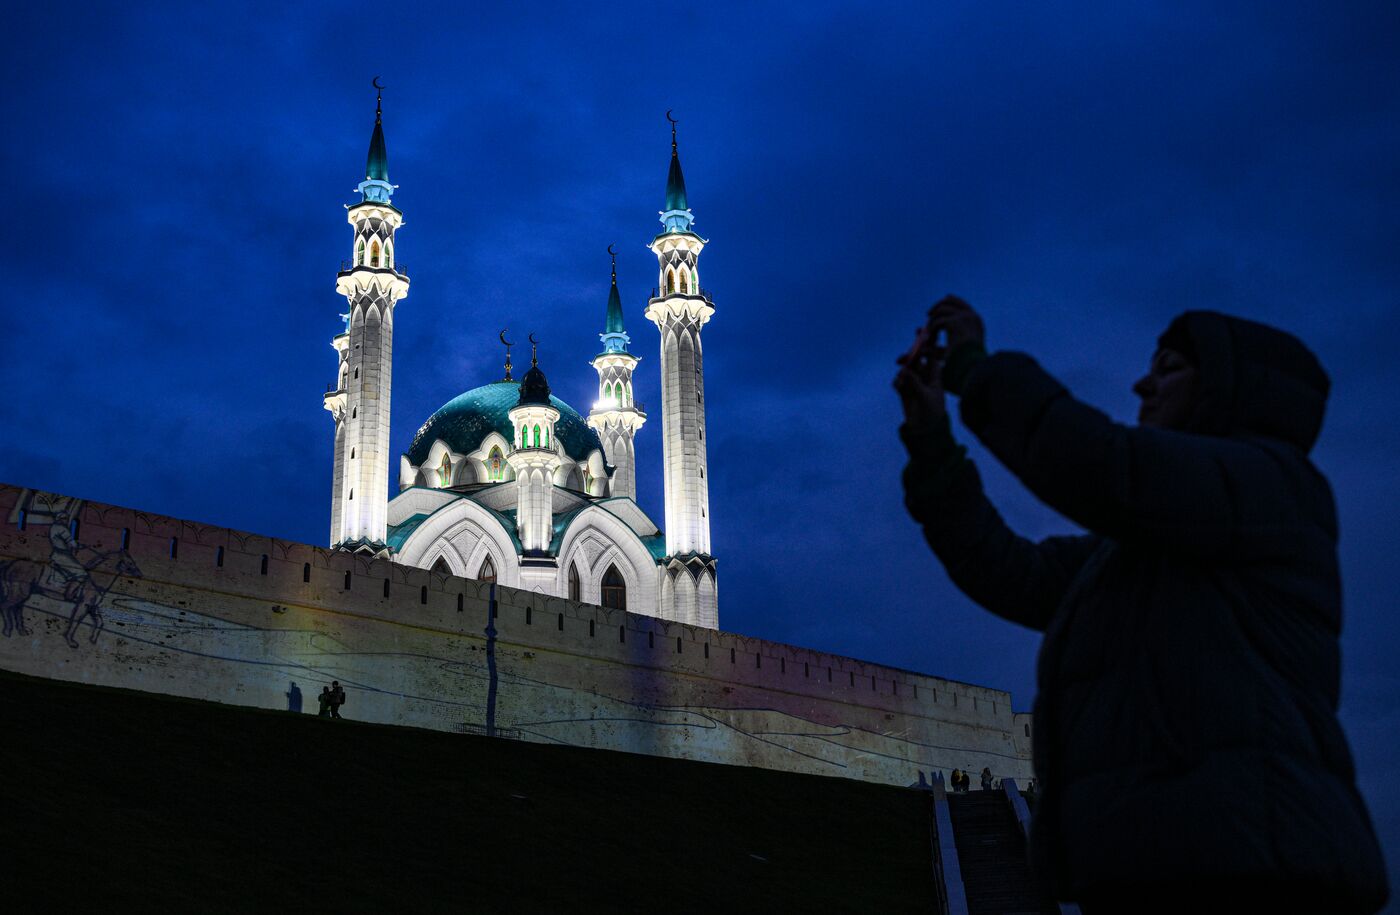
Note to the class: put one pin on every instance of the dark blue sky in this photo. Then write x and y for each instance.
(175, 181)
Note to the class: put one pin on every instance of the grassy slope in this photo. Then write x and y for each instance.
(151, 802)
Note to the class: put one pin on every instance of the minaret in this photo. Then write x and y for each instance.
(372, 284)
(534, 459)
(616, 417)
(679, 308)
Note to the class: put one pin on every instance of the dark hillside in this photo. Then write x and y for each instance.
(154, 803)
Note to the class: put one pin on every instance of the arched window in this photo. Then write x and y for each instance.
(360, 252)
(670, 281)
(537, 436)
(614, 589)
(487, 571)
(445, 472)
(493, 465)
(695, 281)
(685, 282)
(546, 436)
(374, 253)
(388, 254)
(574, 587)
(607, 391)
(442, 566)
(626, 397)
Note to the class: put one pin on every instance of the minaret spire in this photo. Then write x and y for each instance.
(676, 217)
(376, 187)
(615, 416)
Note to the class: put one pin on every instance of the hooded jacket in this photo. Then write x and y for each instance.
(1185, 722)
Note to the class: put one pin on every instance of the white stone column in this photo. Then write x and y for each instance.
(372, 285)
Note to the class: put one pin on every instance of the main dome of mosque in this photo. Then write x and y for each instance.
(465, 420)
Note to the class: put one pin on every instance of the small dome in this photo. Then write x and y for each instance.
(534, 389)
(465, 420)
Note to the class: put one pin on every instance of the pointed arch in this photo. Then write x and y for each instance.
(360, 252)
(445, 472)
(374, 253)
(685, 281)
(575, 585)
(389, 253)
(442, 566)
(493, 465)
(537, 435)
(487, 572)
(614, 589)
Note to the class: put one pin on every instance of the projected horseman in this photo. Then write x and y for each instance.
(67, 577)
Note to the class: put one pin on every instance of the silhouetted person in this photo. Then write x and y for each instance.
(337, 698)
(1186, 743)
(294, 698)
(326, 702)
(956, 779)
(986, 779)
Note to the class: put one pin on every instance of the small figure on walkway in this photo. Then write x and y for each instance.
(986, 779)
(294, 698)
(325, 701)
(337, 698)
(955, 780)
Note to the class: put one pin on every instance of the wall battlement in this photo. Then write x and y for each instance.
(229, 616)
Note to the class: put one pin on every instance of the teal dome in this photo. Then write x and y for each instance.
(468, 418)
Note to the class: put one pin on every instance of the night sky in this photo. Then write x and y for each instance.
(175, 181)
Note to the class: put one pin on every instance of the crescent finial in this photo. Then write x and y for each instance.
(611, 251)
(375, 83)
(533, 341)
(503, 337)
(669, 118)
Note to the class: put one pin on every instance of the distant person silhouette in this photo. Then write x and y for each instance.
(294, 698)
(326, 702)
(986, 779)
(1187, 748)
(337, 698)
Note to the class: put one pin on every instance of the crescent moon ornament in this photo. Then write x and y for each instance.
(611, 251)
(533, 341)
(375, 83)
(503, 337)
(669, 118)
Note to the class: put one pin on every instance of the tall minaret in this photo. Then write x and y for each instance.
(534, 459)
(372, 285)
(616, 416)
(679, 309)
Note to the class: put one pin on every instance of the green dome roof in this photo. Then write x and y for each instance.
(468, 418)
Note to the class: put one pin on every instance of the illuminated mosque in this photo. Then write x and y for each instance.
(508, 483)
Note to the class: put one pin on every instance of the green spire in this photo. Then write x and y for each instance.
(377, 167)
(614, 337)
(675, 180)
(614, 322)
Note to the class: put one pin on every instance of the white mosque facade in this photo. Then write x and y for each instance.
(506, 482)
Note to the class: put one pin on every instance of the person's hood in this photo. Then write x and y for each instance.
(1252, 379)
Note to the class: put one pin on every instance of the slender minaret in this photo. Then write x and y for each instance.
(372, 285)
(615, 416)
(679, 309)
(534, 459)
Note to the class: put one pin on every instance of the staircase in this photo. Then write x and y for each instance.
(992, 855)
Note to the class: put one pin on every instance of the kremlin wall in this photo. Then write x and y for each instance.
(185, 609)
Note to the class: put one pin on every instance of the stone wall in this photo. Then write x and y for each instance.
(172, 606)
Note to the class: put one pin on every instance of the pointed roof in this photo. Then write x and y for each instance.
(614, 321)
(377, 164)
(676, 217)
(675, 179)
(614, 335)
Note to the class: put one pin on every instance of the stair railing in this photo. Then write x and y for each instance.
(955, 895)
(1023, 817)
